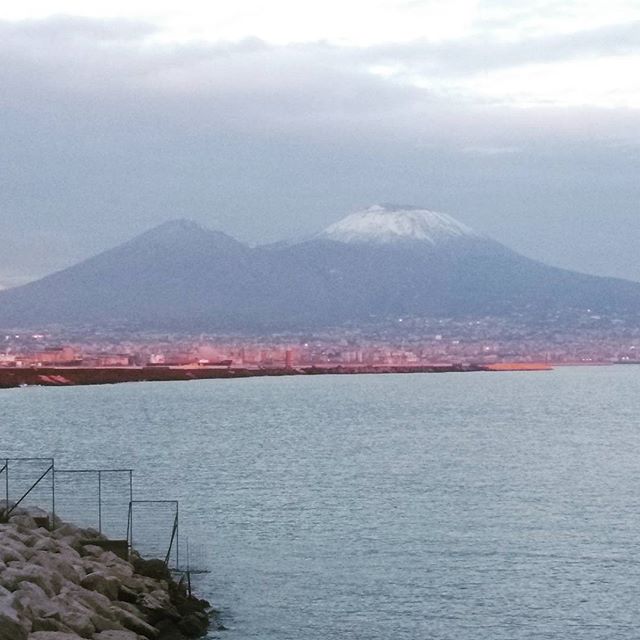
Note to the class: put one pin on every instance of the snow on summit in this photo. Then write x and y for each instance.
(386, 224)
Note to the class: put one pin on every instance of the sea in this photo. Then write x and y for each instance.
(453, 506)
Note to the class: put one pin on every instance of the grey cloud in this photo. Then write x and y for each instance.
(480, 52)
(66, 28)
(252, 87)
(102, 137)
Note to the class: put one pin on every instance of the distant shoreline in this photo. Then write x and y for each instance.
(12, 377)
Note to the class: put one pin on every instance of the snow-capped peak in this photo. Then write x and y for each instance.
(387, 224)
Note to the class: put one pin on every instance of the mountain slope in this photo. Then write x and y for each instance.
(375, 264)
(175, 270)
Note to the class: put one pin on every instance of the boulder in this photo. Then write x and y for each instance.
(135, 623)
(90, 599)
(31, 601)
(155, 569)
(10, 626)
(78, 619)
(53, 635)
(194, 625)
(116, 635)
(125, 594)
(98, 581)
(139, 584)
(12, 577)
(61, 563)
(93, 534)
(47, 544)
(30, 537)
(9, 552)
(102, 623)
(91, 550)
(158, 606)
(49, 624)
(127, 606)
(67, 531)
(23, 522)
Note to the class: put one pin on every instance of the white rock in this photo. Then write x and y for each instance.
(67, 531)
(61, 563)
(105, 624)
(12, 577)
(23, 521)
(31, 601)
(135, 623)
(90, 599)
(78, 621)
(98, 581)
(8, 553)
(47, 544)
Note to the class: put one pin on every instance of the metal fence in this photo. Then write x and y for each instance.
(22, 478)
(95, 498)
(154, 530)
(98, 499)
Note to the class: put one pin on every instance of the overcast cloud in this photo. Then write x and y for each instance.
(522, 127)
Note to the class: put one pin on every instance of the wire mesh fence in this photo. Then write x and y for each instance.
(29, 479)
(154, 530)
(194, 551)
(102, 500)
(95, 498)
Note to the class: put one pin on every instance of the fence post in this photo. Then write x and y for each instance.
(130, 527)
(6, 488)
(177, 535)
(188, 568)
(53, 494)
(130, 522)
(99, 501)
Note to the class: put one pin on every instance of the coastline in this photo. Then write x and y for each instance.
(12, 377)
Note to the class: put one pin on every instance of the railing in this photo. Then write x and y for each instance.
(95, 498)
(24, 477)
(161, 517)
(98, 499)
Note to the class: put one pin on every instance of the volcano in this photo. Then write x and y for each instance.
(384, 262)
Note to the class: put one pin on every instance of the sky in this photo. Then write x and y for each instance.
(274, 120)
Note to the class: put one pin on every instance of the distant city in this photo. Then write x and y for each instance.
(579, 338)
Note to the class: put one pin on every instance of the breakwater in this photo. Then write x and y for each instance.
(60, 582)
(68, 376)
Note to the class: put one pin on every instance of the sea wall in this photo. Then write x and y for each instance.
(68, 376)
(62, 585)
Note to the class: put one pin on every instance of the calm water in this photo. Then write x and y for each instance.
(450, 506)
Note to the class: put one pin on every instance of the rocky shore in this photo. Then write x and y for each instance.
(62, 584)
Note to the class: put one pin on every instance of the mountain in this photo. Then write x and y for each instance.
(173, 271)
(384, 262)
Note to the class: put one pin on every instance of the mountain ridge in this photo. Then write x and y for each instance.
(409, 261)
